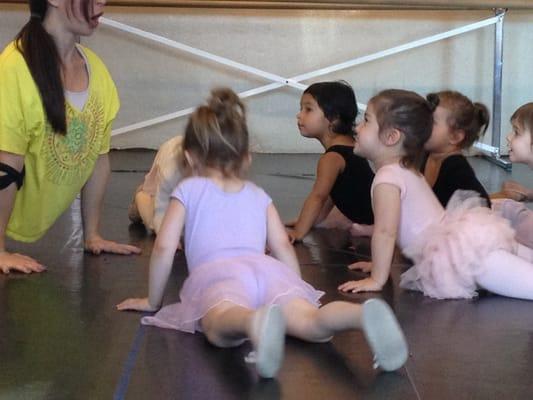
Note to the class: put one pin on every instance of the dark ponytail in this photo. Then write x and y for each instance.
(483, 116)
(433, 101)
(40, 53)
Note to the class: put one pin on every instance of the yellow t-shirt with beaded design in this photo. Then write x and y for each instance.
(57, 166)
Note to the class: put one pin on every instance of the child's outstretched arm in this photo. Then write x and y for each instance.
(278, 240)
(515, 191)
(386, 203)
(329, 167)
(161, 260)
(324, 213)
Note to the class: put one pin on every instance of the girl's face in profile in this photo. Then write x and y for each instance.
(367, 141)
(311, 120)
(440, 134)
(520, 145)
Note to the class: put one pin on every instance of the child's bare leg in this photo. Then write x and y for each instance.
(363, 230)
(227, 324)
(525, 252)
(507, 274)
(145, 206)
(312, 324)
(334, 219)
(374, 318)
(520, 217)
(133, 211)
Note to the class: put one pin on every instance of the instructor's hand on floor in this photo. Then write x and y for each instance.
(19, 262)
(99, 245)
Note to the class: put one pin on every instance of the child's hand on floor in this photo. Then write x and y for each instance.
(515, 191)
(294, 236)
(365, 266)
(98, 245)
(136, 305)
(364, 285)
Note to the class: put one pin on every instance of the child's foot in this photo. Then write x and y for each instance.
(384, 335)
(133, 214)
(361, 230)
(268, 339)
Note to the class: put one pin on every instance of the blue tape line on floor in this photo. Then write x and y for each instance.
(122, 386)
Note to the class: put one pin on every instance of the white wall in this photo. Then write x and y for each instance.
(155, 80)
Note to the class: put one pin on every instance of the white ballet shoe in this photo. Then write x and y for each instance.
(384, 335)
(268, 339)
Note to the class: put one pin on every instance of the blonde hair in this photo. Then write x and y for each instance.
(217, 136)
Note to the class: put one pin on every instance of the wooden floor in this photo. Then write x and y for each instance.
(61, 338)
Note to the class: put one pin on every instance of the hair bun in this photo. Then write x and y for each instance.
(225, 101)
(482, 115)
(433, 101)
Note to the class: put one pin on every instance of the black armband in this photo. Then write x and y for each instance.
(12, 176)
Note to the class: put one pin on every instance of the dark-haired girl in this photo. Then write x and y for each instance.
(343, 179)
(57, 104)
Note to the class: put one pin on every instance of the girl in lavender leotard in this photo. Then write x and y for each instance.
(235, 291)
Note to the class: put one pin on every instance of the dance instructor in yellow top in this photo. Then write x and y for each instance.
(57, 105)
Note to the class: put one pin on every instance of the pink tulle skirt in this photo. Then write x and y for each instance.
(249, 281)
(449, 254)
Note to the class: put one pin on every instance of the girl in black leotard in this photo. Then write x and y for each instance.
(457, 124)
(343, 180)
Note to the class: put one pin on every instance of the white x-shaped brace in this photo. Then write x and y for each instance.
(279, 81)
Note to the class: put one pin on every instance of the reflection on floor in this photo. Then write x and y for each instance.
(60, 337)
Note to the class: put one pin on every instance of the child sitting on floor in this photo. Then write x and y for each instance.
(151, 198)
(327, 114)
(520, 142)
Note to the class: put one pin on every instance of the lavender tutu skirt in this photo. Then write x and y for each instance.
(249, 281)
(449, 254)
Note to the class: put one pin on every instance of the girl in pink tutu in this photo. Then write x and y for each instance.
(234, 291)
(456, 251)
